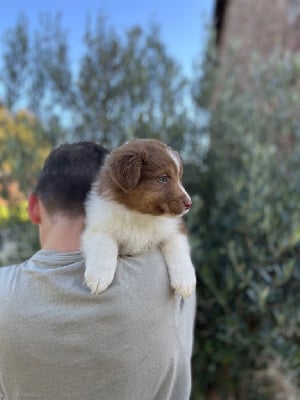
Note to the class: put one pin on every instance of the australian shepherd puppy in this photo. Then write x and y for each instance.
(136, 204)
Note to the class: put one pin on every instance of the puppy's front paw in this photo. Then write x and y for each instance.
(97, 279)
(183, 281)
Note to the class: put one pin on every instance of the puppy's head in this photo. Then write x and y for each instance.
(146, 177)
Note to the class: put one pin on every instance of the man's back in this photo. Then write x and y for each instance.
(58, 341)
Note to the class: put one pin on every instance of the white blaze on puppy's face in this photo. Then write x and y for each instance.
(175, 157)
(177, 161)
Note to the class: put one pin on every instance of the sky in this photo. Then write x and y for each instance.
(184, 25)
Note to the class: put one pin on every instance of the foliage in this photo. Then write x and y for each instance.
(124, 85)
(246, 230)
(24, 146)
(19, 241)
(13, 213)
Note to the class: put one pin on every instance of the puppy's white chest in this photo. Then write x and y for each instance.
(138, 239)
(141, 232)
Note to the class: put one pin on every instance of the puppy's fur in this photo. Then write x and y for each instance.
(135, 205)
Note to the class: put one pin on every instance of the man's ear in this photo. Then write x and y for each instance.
(125, 170)
(34, 210)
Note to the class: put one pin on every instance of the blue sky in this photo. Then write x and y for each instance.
(183, 24)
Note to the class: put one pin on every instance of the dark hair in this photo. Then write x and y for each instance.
(67, 176)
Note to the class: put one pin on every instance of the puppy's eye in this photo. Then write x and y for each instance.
(163, 179)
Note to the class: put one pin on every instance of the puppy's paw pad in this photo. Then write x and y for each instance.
(185, 284)
(185, 290)
(98, 283)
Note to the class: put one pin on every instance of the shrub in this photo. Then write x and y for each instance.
(245, 230)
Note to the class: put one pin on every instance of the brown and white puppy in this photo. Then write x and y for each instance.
(135, 205)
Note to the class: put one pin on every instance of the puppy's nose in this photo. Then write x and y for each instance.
(187, 204)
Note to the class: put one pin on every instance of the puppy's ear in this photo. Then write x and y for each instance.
(125, 169)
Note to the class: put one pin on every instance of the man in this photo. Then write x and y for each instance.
(57, 340)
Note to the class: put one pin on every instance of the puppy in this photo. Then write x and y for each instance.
(135, 205)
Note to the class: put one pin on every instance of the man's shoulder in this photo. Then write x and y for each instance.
(11, 280)
(145, 271)
(8, 268)
(8, 275)
(149, 259)
(9, 271)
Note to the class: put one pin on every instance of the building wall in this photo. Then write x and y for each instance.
(260, 25)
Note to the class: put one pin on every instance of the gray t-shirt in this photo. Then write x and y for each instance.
(58, 341)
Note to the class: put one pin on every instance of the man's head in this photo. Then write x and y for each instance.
(67, 176)
(57, 203)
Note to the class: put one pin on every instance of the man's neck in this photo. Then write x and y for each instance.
(61, 233)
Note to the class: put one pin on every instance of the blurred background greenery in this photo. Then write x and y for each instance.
(236, 124)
